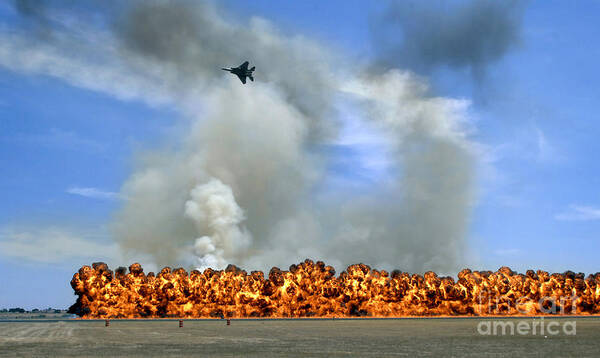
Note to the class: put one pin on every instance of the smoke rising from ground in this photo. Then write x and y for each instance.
(261, 142)
(239, 186)
(424, 35)
(212, 207)
(417, 219)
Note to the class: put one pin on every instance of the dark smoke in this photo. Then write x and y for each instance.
(424, 35)
(30, 7)
(238, 186)
(193, 39)
(34, 15)
(43, 19)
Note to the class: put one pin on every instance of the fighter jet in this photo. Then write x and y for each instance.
(242, 71)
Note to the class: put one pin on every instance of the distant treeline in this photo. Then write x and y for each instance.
(35, 310)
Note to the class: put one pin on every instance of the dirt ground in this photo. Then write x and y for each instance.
(293, 338)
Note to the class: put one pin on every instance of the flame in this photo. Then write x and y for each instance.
(311, 289)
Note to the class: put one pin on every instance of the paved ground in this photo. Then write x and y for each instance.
(293, 338)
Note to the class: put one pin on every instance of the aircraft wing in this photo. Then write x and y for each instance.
(244, 66)
(242, 78)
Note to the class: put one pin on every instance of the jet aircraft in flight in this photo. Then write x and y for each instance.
(242, 71)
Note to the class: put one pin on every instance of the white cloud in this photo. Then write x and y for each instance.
(52, 245)
(93, 193)
(546, 151)
(579, 213)
(529, 143)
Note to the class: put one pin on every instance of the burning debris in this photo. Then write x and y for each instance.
(311, 289)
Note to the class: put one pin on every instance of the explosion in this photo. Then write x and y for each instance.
(311, 289)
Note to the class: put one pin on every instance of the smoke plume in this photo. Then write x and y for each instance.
(418, 218)
(241, 184)
(423, 35)
(213, 209)
(259, 146)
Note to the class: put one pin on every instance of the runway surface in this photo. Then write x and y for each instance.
(293, 338)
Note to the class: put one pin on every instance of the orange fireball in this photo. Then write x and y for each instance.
(311, 289)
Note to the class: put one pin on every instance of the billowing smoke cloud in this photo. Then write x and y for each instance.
(423, 35)
(252, 141)
(418, 219)
(239, 186)
(262, 142)
(255, 139)
(213, 209)
(190, 42)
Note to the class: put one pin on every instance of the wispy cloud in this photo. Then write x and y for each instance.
(531, 143)
(546, 152)
(579, 213)
(52, 245)
(93, 193)
(97, 65)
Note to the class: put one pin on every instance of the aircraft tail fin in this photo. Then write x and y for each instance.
(251, 78)
(253, 67)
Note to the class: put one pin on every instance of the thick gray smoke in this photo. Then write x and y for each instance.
(255, 139)
(192, 41)
(418, 219)
(423, 35)
(262, 141)
(239, 186)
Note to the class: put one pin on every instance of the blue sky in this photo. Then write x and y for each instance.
(65, 150)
